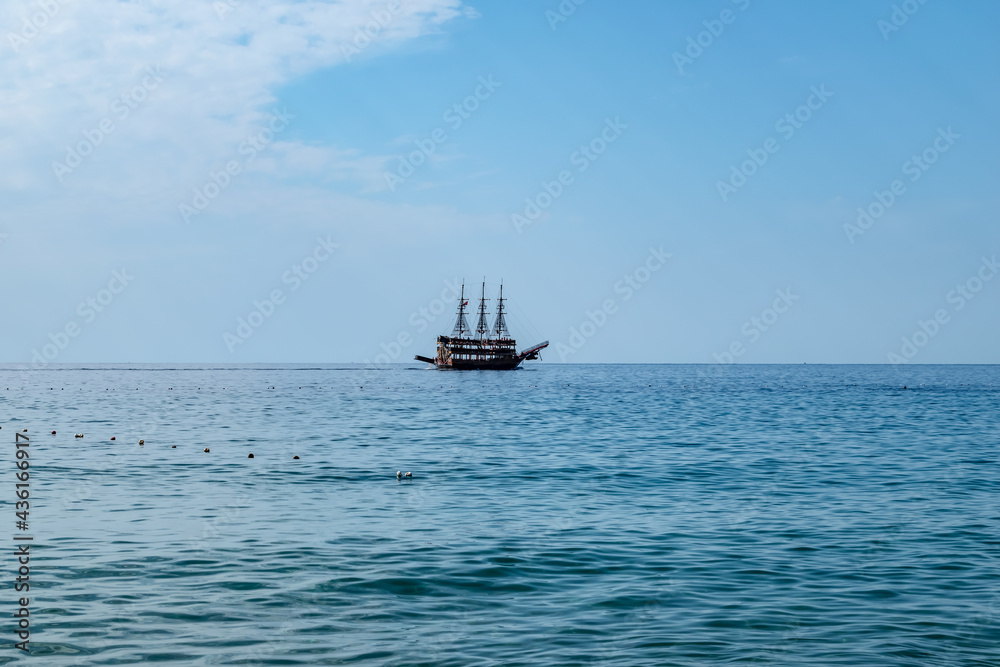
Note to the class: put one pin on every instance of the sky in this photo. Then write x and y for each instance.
(701, 182)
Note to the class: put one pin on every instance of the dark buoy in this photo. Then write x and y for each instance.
(206, 450)
(250, 456)
(295, 457)
(78, 435)
(53, 432)
(112, 437)
(173, 446)
(399, 475)
(142, 442)
(408, 474)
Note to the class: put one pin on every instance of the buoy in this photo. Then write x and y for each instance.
(24, 430)
(408, 474)
(206, 450)
(295, 457)
(173, 446)
(53, 432)
(112, 437)
(251, 455)
(142, 442)
(399, 475)
(78, 435)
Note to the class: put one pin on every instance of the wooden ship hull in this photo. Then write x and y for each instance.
(462, 352)
(471, 354)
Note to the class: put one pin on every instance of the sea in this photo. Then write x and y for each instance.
(555, 515)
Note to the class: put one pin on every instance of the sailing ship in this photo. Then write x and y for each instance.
(485, 349)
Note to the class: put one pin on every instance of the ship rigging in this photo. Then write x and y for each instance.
(484, 349)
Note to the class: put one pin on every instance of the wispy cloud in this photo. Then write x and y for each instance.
(63, 79)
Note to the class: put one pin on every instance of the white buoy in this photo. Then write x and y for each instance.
(399, 475)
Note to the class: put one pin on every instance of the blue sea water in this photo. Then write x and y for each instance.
(557, 515)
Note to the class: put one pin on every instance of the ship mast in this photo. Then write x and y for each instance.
(461, 326)
(482, 326)
(500, 326)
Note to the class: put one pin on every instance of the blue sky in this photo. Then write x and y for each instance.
(346, 117)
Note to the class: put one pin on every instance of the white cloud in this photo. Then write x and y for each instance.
(218, 74)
